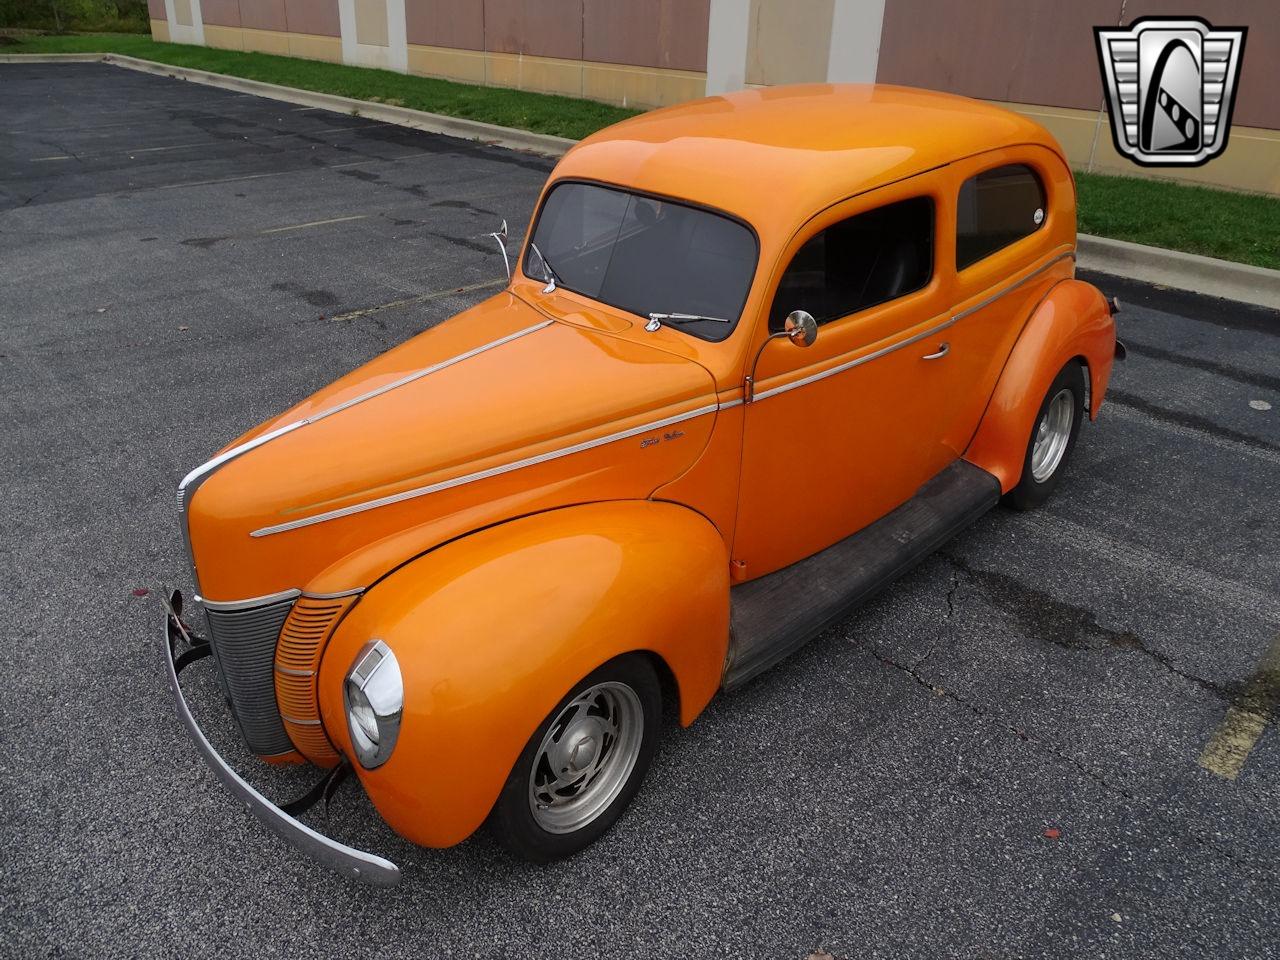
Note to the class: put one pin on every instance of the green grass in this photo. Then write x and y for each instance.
(1243, 227)
(1216, 223)
(539, 112)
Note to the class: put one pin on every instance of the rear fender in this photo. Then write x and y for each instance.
(1072, 322)
(493, 629)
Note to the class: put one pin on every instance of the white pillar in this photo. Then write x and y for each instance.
(855, 41)
(181, 32)
(394, 56)
(727, 33)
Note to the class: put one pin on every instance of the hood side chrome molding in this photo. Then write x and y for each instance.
(191, 482)
(483, 474)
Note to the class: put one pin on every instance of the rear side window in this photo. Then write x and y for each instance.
(857, 263)
(996, 208)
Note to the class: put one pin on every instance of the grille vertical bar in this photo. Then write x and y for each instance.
(245, 644)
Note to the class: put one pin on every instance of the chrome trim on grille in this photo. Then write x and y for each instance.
(354, 591)
(301, 723)
(243, 639)
(292, 672)
(230, 605)
(482, 474)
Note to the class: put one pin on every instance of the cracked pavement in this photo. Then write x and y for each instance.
(886, 792)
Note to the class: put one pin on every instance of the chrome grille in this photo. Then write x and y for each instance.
(244, 644)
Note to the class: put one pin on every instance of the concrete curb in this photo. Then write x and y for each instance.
(537, 143)
(1168, 268)
(1181, 271)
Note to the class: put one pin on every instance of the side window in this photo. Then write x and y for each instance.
(994, 209)
(860, 262)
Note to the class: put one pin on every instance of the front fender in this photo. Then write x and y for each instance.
(493, 629)
(1071, 322)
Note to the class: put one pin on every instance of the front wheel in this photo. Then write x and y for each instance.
(583, 764)
(1053, 437)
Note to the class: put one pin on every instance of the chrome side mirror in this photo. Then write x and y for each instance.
(801, 328)
(500, 235)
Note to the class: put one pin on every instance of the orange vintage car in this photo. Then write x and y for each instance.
(759, 354)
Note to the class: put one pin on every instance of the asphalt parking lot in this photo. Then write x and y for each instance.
(1000, 757)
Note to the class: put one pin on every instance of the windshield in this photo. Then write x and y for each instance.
(644, 254)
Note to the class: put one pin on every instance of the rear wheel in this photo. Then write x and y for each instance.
(583, 764)
(1053, 437)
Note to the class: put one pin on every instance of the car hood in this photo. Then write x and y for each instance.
(498, 412)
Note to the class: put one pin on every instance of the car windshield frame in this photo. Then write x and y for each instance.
(707, 330)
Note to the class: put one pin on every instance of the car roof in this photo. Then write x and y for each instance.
(776, 155)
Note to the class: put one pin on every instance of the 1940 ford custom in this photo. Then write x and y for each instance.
(759, 354)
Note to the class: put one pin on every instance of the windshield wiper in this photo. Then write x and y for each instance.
(658, 319)
(553, 278)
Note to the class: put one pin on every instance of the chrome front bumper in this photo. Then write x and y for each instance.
(348, 861)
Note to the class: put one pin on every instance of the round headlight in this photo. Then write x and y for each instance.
(362, 716)
(374, 695)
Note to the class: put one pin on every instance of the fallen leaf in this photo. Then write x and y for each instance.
(1053, 833)
(140, 591)
(184, 328)
(1116, 917)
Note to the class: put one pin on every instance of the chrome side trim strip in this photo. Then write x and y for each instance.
(482, 474)
(1014, 286)
(850, 364)
(251, 602)
(622, 435)
(302, 723)
(290, 672)
(953, 319)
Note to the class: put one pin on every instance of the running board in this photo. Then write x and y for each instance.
(776, 615)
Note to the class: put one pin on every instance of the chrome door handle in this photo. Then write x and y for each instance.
(943, 350)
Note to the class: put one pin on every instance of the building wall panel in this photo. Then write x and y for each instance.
(539, 28)
(220, 13)
(1027, 52)
(263, 15)
(671, 34)
(317, 18)
(445, 23)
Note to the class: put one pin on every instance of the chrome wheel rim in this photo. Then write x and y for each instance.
(1052, 434)
(586, 757)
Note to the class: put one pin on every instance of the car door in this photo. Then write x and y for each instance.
(839, 433)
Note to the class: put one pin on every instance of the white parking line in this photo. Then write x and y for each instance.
(420, 298)
(314, 223)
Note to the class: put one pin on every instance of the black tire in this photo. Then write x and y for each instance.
(514, 820)
(1030, 491)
